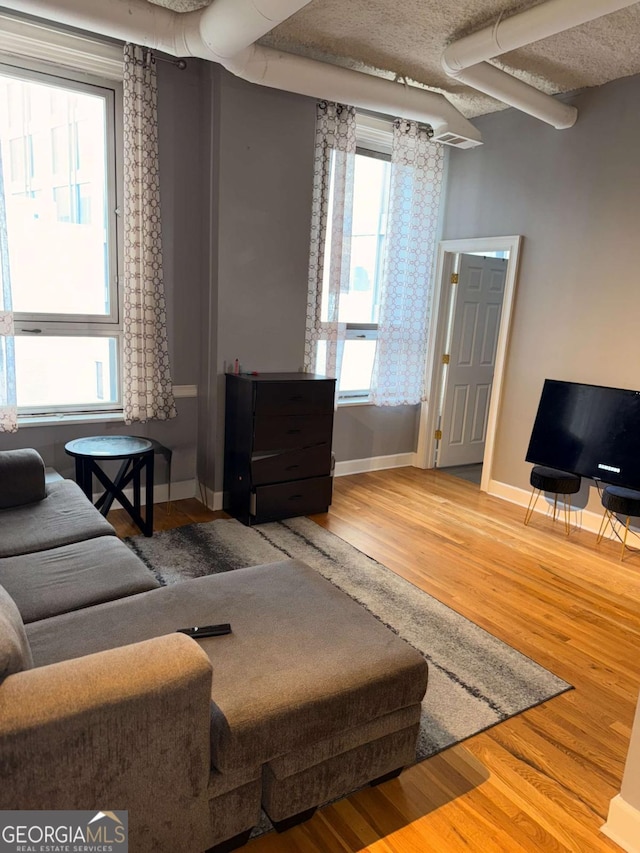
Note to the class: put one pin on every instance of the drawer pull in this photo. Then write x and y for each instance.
(295, 398)
(294, 431)
(291, 467)
(295, 497)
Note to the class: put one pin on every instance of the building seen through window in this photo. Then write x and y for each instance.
(359, 306)
(58, 166)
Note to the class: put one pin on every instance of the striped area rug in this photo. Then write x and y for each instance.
(475, 680)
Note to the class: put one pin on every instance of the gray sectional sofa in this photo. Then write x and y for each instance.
(104, 706)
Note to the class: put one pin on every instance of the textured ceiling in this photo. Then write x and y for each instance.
(406, 38)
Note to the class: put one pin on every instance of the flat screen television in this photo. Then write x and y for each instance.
(589, 430)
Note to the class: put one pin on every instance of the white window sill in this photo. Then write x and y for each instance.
(344, 404)
(70, 418)
(51, 419)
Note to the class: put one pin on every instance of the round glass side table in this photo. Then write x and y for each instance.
(136, 455)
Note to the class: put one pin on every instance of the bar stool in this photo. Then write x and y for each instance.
(558, 483)
(617, 500)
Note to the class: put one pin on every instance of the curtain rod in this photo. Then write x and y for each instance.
(179, 63)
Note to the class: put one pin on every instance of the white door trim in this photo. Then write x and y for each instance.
(447, 249)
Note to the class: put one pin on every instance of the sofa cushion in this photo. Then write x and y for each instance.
(304, 661)
(15, 653)
(48, 583)
(21, 477)
(65, 515)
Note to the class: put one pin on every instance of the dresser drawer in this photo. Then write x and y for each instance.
(292, 398)
(291, 465)
(269, 503)
(291, 431)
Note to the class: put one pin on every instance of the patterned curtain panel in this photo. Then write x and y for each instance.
(331, 220)
(8, 409)
(416, 179)
(146, 381)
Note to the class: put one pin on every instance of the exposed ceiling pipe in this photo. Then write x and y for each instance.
(516, 93)
(533, 24)
(466, 58)
(502, 86)
(214, 33)
(228, 26)
(267, 67)
(225, 32)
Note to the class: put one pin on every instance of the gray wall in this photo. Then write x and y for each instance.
(183, 126)
(186, 232)
(575, 196)
(208, 378)
(265, 155)
(364, 431)
(263, 173)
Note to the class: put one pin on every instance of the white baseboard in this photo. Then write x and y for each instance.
(623, 825)
(583, 518)
(374, 463)
(212, 500)
(179, 491)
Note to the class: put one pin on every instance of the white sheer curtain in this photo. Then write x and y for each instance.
(416, 179)
(146, 381)
(8, 408)
(331, 225)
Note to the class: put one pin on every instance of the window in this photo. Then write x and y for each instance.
(371, 259)
(359, 307)
(57, 139)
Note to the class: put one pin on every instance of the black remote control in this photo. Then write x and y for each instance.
(206, 630)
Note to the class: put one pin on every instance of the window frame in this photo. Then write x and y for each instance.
(83, 325)
(373, 139)
(356, 332)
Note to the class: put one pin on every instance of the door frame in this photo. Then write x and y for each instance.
(441, 311)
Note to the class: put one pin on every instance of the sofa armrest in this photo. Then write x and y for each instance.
(126, 728)
(21, 477)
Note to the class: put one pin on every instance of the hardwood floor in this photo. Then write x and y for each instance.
(165, 516)
(543, 780)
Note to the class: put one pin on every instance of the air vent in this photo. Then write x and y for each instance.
(456, 140)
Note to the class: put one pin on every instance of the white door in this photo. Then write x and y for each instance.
(469, 375)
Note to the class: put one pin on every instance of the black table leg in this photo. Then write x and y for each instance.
(148, 483)
(114, 490)
(136, 489)
(106, 500)
(81, 477)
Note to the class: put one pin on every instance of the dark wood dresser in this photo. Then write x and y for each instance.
(277, 460)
